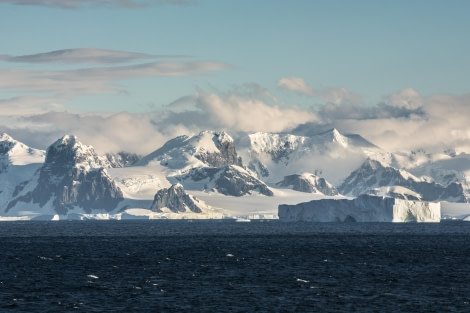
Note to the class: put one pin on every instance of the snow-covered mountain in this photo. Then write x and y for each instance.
(230, 180)
(13, 152)
(329, 154)
(373, 176)
(206, 161)
(176, 200)
(208, 148)
(71, 179)
(18, 165)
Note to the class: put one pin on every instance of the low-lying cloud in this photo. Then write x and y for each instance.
(404, 121)
(143, 133)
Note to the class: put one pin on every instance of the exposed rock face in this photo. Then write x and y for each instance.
(365, 208)
(122, 159)
(175, 199)
(229, 180)
(6, 144)
(308, 183)
(372, 174)
(73, 175)
(226, 154)
(213, 149)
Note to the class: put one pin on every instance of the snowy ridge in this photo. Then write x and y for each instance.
(230, 180)
(273, 156)
(16, 153)
(373, 175)
(208, 148)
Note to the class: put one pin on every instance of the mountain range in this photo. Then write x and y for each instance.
(212, 175)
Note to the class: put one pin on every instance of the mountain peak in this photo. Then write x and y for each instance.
(68, 150)
(15, 152)
(6, 137)
(333, 135)
(6, 143)
(212, 148)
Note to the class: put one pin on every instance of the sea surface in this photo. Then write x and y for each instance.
(225, 266)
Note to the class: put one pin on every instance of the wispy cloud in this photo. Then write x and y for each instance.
(333, 95)
(74, 4)
(99, 79)
(83, 56)
(25, 106)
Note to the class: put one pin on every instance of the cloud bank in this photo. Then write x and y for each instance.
(143, 133)
(403, 121)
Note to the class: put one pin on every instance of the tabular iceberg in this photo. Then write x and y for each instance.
(364, 208)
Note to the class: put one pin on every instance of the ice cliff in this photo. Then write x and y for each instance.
(364, 208)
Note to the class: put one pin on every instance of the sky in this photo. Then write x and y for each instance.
(131, 74)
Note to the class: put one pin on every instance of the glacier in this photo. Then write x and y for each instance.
(364, 208)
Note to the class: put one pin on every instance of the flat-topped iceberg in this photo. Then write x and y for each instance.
(364, 208)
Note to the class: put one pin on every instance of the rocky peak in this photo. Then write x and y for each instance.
(372, 174)
(175, 199)
(122, 159)
(212, 148)
(73, 176)
(6, 143)
(68, 151)
(225, 154)
(308, 182)
(230, 180)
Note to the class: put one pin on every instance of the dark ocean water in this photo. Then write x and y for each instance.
(222, 266)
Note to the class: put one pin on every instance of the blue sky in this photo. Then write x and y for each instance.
(133, 57)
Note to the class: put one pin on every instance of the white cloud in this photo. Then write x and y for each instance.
(143, 133)
(407, 121)
(296, 84)
(439, 123)
(107, 133)
(249, 114)
(21, 106)
(332, 95)
(407, 98)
